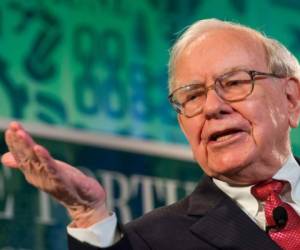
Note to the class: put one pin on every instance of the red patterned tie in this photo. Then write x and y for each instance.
(287, 237)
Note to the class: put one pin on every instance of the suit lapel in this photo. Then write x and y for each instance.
(222, 223)
(297, 159)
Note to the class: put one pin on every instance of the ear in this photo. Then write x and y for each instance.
(293, 97)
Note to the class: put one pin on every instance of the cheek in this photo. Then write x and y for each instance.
(271, 105)
(201, 156)
(269, 120)
(192, 128)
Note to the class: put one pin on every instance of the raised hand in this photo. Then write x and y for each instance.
(83, 196)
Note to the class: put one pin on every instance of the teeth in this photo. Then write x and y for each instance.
(224, 137)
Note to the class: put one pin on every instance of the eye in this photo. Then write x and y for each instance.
(234, 83)
(235, 79)
(191, 97)
(194, 95)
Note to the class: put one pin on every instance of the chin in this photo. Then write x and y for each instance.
(229, 165)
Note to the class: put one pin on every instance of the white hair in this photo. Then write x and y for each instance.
(279, 59)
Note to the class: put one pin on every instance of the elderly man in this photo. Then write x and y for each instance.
(237, 94)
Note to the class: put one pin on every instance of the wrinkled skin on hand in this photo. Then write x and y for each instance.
(83, 197)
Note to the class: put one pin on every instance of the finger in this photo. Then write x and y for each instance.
(24, 148)
(26, 138)
(21, 146)
(15, 126)
(45, 159)
(8, 160)
(9, 139)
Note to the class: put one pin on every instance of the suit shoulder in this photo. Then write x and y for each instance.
(157, 228)
(162, 215)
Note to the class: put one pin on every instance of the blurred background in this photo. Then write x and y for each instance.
(88, 79)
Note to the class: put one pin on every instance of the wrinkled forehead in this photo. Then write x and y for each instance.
(232, 36)
(215, 52)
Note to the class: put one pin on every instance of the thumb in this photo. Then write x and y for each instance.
(9, 161)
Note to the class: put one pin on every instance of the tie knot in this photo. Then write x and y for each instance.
(262, 190)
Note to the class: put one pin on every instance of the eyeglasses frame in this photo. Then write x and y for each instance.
(252, 73)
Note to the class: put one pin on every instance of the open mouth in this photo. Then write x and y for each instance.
(224, 135)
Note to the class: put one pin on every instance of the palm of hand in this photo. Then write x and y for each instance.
(83, 196)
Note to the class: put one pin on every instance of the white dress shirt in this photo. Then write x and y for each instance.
(105, 233)
(289, 172)
(102, 234)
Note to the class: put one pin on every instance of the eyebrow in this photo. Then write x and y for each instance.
(230, 69)
(192, 82)
(215, 76)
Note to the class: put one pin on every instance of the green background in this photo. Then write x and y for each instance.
(134, 184)
(100, 66)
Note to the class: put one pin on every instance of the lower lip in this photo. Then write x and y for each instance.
(230, 140)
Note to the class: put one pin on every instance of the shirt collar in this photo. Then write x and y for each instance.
(290, 172)
(241, 195)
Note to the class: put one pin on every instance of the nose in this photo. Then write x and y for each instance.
(215, 107)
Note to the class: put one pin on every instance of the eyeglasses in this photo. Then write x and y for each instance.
(234, 86)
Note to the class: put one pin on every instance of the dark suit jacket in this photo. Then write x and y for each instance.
(207, 219)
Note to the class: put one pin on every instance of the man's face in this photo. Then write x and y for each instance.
(250, 137)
